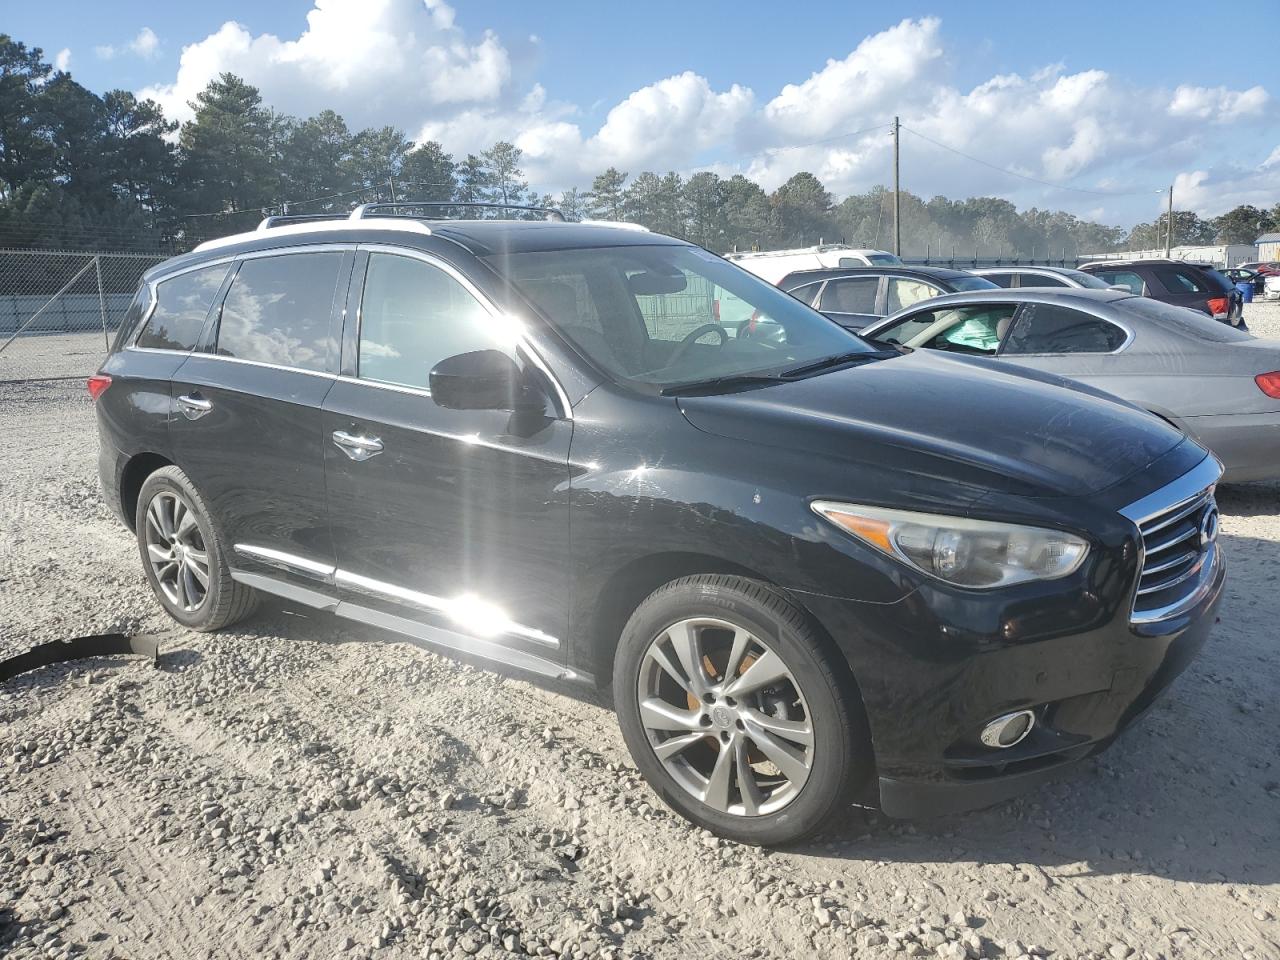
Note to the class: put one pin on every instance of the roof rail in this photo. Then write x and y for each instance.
(619, 224)
(279, 219)
(389, 208)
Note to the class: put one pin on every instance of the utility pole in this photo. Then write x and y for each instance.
(897, 206)
(392, 184)
(1168, 227)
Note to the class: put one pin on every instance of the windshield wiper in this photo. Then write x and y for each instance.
(835, 361)
(729, 380)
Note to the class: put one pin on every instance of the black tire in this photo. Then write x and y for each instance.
(225, 601)
(841, 759)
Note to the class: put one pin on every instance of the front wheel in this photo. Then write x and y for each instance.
(736, 712)
(183, 557)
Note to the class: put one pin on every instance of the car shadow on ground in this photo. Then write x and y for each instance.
(1188, 793)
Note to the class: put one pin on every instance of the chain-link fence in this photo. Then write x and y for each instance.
(59, 309)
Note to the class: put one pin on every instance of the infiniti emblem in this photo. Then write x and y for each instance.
(722, 716)
(1208, 527)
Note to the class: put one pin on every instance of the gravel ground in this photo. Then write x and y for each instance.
(282, 790)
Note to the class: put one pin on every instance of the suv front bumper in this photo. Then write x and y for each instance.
(925, 706)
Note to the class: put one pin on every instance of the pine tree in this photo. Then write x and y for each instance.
(605, 200)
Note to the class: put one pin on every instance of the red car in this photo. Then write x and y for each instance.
(1268, 268)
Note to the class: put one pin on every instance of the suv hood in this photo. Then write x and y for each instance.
(953, 419)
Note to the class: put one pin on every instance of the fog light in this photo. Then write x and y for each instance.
(1009, 730)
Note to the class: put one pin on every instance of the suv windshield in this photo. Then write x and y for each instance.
(667, 315)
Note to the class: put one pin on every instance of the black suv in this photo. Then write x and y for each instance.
(1194, 285)
(811, 570)
(855, 296)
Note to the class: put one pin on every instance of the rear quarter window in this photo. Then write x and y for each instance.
(1178, 280)
(182, 303)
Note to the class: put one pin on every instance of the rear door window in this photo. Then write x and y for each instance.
(1040, 280)
(850, 295)
(1005, 280)
(182, 304)
(279, 310)
(1123, 278)
(1049, 328)
(905, 291)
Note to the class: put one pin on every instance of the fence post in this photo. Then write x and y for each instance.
(102, 302)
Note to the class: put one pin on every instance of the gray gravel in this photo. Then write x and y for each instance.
(299, 788)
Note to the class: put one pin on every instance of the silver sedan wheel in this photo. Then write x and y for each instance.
(176, 551)
(725, 717)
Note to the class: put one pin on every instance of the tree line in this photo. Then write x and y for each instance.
(111, 171)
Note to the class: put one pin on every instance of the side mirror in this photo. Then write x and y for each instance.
(481, 380)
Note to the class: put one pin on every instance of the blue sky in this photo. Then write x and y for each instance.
(1117, 99)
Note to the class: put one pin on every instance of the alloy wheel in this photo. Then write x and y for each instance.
(177, 552)
(725, 717)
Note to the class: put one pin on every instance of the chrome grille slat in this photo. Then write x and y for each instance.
(1181, 559)
(1178, 563)
(1170, 582)
(1172, 541)
(1166, 520)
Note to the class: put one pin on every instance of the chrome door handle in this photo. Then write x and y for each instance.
(194, 406)
(357, 448)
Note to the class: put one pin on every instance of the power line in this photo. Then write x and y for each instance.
(1023, 176)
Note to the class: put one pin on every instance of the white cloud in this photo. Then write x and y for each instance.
(145, 45)
(890, 62)
(1221, 187)
(1217, 103)
(62, 60)
(374, 61)
(410, 63)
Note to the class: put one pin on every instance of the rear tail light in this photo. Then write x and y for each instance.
(98, 384)
(1219, 304)
(1269, 383)
(715, 309)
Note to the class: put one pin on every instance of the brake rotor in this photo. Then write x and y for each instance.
(753, 755)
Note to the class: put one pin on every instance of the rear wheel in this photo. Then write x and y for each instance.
(736, 712)
(183, 557)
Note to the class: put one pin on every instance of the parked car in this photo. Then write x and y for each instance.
(809, 569)
(1175, 281)
(1243, 275)
(1216, 384)
(855, 297)
(1271, 287)
(1268, 268)
(1016, 277)
(773, 265)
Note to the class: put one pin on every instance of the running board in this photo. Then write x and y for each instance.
(421, 634)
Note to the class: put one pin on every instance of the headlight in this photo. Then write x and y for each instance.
(967, 553)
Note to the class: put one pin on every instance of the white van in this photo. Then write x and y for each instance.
(773, 265)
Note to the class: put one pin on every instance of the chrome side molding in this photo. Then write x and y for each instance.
(290, 563)
(474, 615)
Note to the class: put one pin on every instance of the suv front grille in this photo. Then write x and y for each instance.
(1179, 527)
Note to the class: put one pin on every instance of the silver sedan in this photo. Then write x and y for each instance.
(1217, 384)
